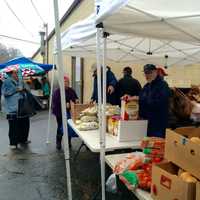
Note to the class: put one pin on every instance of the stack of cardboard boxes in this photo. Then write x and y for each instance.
(182, 154)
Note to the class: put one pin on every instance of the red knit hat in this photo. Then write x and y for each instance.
(66, 78)
(161, 71)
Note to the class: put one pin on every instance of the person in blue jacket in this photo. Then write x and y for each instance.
(12, 90)
(110, 86)
(154, 102)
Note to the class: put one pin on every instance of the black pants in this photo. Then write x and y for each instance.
(18, 129)
(59, 126)
(59, 130)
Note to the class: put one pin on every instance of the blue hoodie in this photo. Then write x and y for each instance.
(111, 81)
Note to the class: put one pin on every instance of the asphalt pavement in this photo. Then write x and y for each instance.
(37, 171)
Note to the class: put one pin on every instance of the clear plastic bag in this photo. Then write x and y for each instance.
(111, 184)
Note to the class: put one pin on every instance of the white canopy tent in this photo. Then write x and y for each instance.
(139, 31)
(161, 32)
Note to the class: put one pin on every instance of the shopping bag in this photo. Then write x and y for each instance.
(26, 106)
(111, 184)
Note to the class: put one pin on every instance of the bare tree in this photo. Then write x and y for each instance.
(8, 53)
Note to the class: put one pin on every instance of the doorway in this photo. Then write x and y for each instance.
(77, 76)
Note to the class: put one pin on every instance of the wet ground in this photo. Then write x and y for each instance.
(37, 172)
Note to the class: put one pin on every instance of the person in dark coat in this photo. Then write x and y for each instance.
(70, 95)
(111, 82)
(154, 102)
(127, 85)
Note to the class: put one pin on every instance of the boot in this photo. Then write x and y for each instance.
(59, 142)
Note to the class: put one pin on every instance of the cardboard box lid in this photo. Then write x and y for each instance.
(188, 131)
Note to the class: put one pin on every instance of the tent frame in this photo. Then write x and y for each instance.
(63, 103)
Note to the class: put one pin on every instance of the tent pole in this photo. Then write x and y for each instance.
(50, 102)
(103, 144)
(63, 102)
(99, 72)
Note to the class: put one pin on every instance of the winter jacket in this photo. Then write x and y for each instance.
(11, 95)
(154, 106)
(70, 95)
(128, 85)
(111, 81)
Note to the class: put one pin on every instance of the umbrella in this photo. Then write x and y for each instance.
(24, 65)
(25, 69)
(25, 62)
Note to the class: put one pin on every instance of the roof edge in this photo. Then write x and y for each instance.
(73, 6)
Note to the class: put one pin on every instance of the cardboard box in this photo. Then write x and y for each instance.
(180, 150)
(198, 191)
(112, 124)
(133, 130)
(129, 110)
(166, 185)
(76, 109)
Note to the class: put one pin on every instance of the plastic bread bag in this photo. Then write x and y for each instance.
(195, 115)
(78, 122)
(111, 184)
(131, 162)
(91, 111)
(88, 126)
(130, 179)
(89, 119)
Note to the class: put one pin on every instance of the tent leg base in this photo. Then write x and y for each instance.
(78, 151)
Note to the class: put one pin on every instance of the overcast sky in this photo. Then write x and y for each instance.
(27, 23)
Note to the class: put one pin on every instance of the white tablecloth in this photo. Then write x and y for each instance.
(91, 139)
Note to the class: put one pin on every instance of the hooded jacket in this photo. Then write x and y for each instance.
(111, 81)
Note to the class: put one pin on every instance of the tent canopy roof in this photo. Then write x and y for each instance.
(163, 19)
(141, 31)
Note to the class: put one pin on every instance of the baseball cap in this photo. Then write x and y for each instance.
(94, 67)
(149, 67)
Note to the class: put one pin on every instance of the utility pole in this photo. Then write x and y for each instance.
(42, 45)
(46, 44)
